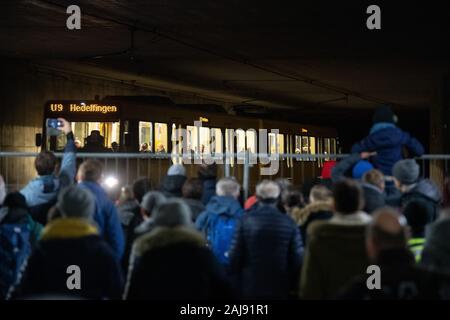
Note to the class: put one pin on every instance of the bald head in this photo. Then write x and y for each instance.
(386, 231)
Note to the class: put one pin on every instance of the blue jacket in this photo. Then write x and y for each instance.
(388, 140)
(219, 205)
(107, 218)
(41, 192)
(266, 254)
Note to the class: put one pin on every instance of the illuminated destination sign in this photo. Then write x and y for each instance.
(84, 108)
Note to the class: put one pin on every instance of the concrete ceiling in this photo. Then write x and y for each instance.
(310, 57)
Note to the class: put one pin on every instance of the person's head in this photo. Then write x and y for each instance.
(192, 189)
(140, 187)
(406, 172)
(172, 213)
(150, 202)
(360, 168)
(176, 170)
(207, 171)
(320, 192)
(144, 146)
(90, 170)
(385, 232)
(284, 184)
(348, 196)
(292, 198)
(267, 190)
(126, 194)
(384, 114)
(45, 163)
(15, 200)
(2, 190)
(417, 216)
(76, 202)
(228, 187)
(375, 178)
(115, 146)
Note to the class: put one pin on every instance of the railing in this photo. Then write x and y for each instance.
(18, 168)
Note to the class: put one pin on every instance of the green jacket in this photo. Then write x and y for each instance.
(335, 254)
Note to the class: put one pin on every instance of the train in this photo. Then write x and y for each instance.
(148, 126)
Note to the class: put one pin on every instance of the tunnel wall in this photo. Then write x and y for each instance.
(24, 90)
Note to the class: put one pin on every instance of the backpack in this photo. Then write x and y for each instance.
(219, 232)
(14, 250)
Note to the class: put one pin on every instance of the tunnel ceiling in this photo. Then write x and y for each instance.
(311, 57)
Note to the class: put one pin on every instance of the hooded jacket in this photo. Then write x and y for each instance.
(335, 254)
(319, 210)
(219, 205)
(107, 218)
(66, 242)
(266, 254)
(388, 140)
(171, 185)
(424, 191)
(174, 264)
(41, 192)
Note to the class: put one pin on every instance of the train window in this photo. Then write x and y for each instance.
(240, 140)
(333, 149)
(251, 140)
(312, 145)
(161, 137)
(89, 136)
(216, 140)
(198, 136)
(229, 144)
(276, 143)
(145, 136)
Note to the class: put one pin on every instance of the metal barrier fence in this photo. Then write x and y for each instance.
(17, 168)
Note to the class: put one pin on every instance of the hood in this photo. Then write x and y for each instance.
(172, 185)
(301, 215)
(161, 237)
(68, 228)
(387, 137)
(40, 190)
(224, 205)
(428, 189)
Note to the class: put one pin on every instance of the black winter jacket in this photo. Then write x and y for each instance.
(266, 254)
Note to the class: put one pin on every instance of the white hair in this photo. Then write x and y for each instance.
(227, 187)
(267, 189)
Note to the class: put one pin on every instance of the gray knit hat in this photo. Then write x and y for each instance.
(76, 202)
(406, 171)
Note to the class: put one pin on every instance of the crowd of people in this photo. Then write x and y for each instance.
(62, 236)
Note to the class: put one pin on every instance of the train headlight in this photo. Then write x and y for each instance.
(111, 182)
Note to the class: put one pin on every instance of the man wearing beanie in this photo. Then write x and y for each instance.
(70, 243)
(173, 182)
(414, 191)
(387, 140)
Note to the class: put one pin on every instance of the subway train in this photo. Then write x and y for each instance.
(149, 126)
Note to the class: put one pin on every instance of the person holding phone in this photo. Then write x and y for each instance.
(41, 192)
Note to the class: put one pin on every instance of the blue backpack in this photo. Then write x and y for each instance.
(14, 250)
(220, 230)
